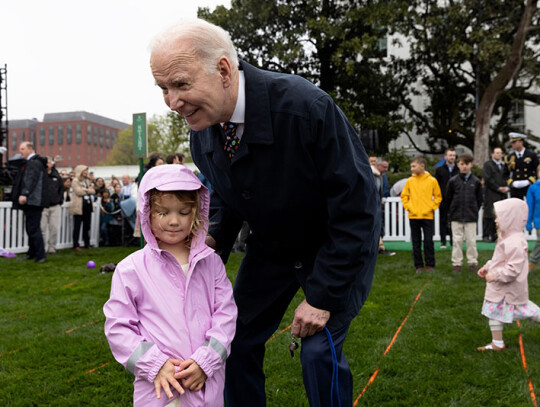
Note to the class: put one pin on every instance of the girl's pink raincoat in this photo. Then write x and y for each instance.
(509, 263)
(155, 312)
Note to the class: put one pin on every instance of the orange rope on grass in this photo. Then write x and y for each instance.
(9, 353)
(91, 370)
(277, 334)
(84, 325)
(56, 288)
(99, 367)
(374, 375)
(524, 361)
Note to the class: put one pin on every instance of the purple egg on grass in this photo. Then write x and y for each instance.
(91, 264)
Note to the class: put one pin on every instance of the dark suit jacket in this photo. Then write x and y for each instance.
(31, 182)
(443, 175)
(302, 181)
(493, 179)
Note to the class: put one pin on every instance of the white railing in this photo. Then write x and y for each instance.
(13, 237)
(396, 223)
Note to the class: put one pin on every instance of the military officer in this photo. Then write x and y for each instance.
(521, 164)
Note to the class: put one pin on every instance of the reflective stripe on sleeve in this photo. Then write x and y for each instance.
(136, 355)
(218, 347)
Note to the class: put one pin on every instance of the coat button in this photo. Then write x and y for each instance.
(298, 265)
(246, 194)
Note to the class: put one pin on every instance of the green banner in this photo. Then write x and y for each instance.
(139, 135)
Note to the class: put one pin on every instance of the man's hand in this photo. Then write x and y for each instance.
(308, 320)
(22, 200)
(191, 375)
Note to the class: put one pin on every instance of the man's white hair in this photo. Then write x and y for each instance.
(209, 41)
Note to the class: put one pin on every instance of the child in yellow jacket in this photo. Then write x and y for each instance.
(421, 196)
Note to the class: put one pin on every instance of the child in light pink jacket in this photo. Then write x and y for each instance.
(507, 292)
(171, 316)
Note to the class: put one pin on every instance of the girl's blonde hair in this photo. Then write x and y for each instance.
(190, 198)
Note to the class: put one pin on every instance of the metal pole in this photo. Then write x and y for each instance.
(141, 168)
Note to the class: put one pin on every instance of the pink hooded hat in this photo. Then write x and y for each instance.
(169, 177)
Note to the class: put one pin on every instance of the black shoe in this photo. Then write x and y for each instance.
(40, 260)
(28, 257)
(386, 252)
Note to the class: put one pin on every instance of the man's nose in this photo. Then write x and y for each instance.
(174, 100)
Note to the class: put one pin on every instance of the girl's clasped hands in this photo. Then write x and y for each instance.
(176, 371)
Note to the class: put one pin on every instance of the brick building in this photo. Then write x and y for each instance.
(72, 138)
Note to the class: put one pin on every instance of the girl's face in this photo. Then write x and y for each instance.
(117, 189)
(171, 221)
(100, 182)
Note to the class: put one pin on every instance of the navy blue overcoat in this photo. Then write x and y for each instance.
(302, 180)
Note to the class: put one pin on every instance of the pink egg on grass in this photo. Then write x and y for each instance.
(91, 264)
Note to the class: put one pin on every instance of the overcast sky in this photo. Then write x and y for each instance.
(92, 55)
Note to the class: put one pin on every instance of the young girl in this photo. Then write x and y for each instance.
(507, 293)
(171, 315)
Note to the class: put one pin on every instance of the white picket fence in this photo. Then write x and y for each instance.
(396, 223)
(13, 237)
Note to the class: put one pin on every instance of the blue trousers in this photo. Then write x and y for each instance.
(244, 380)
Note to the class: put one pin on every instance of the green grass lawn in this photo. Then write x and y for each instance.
(53, 351)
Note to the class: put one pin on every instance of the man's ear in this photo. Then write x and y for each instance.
(225, 71)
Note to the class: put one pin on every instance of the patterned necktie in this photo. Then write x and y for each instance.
(231, 139)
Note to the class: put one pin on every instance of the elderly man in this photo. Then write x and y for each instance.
(522, 164)
(129, 188)
(30, 193)
(283, 157)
